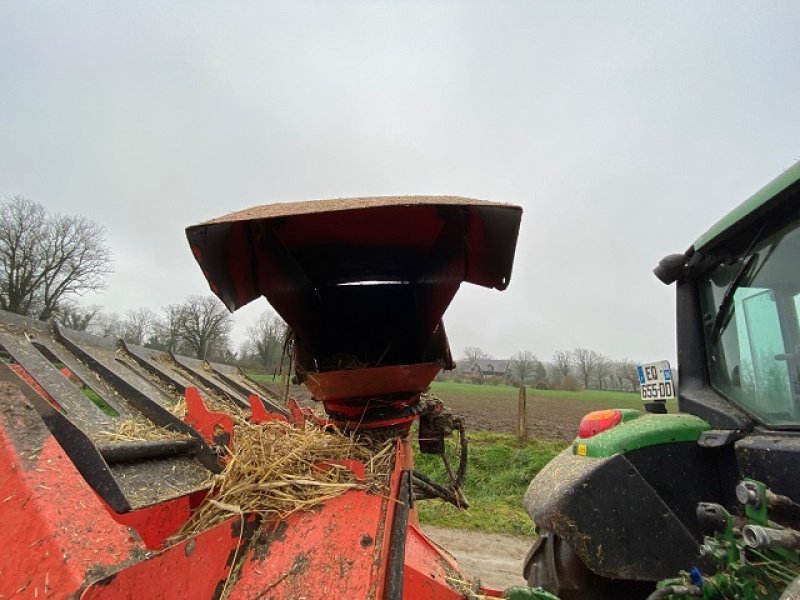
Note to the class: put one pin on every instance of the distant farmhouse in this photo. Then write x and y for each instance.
(487, 369)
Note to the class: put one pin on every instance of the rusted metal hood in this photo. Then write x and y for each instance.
(361, 281)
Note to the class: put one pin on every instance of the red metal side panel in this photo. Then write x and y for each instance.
(195, 568)
(158, 522)
(332, 552)
(210, 424)
(56, 531)
(429, 572)
(376, 381)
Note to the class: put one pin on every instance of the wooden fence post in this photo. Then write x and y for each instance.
(522, 423)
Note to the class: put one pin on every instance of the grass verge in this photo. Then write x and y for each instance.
(599, 398)
(498, 473)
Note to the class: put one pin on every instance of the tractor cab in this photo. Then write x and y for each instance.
(749, 299)
(714, 484)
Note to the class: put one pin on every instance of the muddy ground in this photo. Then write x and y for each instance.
(494, 559)
(548, 418)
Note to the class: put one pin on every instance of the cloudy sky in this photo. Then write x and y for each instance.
(624, 129)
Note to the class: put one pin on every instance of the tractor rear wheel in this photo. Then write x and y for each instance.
(555, 566)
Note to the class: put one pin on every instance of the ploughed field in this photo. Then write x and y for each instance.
(551, 414)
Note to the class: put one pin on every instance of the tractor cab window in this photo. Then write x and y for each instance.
(751, 308)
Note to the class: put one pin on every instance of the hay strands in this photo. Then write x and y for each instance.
(139, 429)
(276, 469)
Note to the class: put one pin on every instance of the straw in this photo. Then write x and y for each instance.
(467, 588)
(274, 471)
(138, 429)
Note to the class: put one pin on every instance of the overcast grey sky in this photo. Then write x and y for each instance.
(624, 129)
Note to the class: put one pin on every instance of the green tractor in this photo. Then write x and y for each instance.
(704, 502)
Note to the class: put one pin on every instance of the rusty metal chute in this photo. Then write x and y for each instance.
(361, 281)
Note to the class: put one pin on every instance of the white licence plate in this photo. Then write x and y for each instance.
(656, 382)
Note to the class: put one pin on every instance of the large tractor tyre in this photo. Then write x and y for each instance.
(553, 565)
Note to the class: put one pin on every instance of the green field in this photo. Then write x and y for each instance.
(608, 398)
(262, 377)
(602, 398)
(498, 473)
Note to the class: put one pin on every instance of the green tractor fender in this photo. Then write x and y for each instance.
(624, 499)
(640, 430)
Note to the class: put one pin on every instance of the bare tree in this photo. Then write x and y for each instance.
(206, 326)
(473, 354)
(603, 370)
(76, 316)
(168, 329)
(523, 364)
(265, 338)
(138, 326)
(539, 374)
(627, 371)
(47, 258)
(106, 325)
(586, 364)
(562, 363)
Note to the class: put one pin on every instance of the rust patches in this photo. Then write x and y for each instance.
(270, 533)
(298, 568)
(452, 578)
(22, 424)
(300, 564)
(103, 575)
(243, 529)
(345, 565)
(105, 581)
(288, 209)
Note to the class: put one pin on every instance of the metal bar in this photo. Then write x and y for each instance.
(85, 376)
(395, 566)
(63, 391)
(77, 445)
(129, 451)
(241, 388)
(145, 405)
(222, 390)
(149, 366)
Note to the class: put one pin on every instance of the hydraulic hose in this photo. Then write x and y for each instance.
(675, 590)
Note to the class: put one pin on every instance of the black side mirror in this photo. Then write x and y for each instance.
(670, 268)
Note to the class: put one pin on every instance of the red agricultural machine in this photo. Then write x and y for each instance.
(363, 285)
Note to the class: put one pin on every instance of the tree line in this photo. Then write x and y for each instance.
(567, 369)
(199, 326)
(48, 260)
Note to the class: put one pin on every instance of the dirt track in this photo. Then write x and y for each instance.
(494, 559)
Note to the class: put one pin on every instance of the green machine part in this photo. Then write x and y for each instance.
(639, 430)
(742, 571)
(527, 593)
